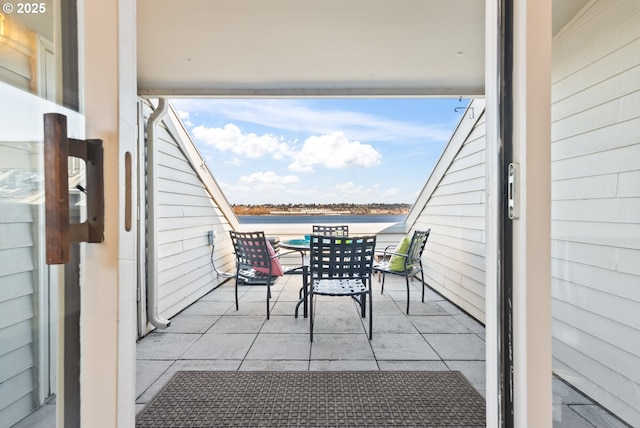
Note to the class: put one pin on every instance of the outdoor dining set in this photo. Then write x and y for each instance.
(333, 263)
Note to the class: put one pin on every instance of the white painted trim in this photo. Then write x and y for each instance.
(465, 127)
(181, 137)
(532, 231)
(492, 315)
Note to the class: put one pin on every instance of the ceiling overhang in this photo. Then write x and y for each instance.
(205, 48)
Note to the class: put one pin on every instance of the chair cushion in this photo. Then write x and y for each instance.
(276, 267)
(396, 263)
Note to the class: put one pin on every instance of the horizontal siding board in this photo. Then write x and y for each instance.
(629, 184)
(16, 411)
(16, 362)
(15, 261)
(15, 286)
(475, 210)
(464, 175)
(463, 198)
(197, 278)
(593, 255)
(582, 30)
(592, 187)
(463, 260)
(16, 235)
(172, 185)
(474, 185)
(604, 304)
(165, 198)
(15, 336)
(601, 233)
(16, 311)
(610, 89)
(576, 47)
(467, 162)
(15, 388)
(471, 237)
(620, 408)
(603, 359)
(577, 276)
(596, 117)
(459, 244)
(615, 136)
(614, 210)
(587, 323)
(469, 223)
(16, 213)
(178, 223)
(457, 268)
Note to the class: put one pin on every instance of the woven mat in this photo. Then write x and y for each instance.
(315, 399)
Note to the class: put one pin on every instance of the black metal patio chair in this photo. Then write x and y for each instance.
(395, 260)
(341, 267)
(256, 262)
(341, 230)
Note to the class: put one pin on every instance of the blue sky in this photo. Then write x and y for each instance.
(311, 150)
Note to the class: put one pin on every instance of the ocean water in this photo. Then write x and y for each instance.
(321, 219)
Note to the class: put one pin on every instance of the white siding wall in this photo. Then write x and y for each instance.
(18, 307)
(186, 211)
(596, 205)
(453, 206)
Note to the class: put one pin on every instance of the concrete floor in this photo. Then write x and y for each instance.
(212, 335)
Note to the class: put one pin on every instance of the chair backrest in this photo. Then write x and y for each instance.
(251, 249)
(342, 230)
(416, 247)
(334, 257)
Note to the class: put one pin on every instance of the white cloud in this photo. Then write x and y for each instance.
(349, 188)
(268, 178)
(232, 139)
(334, 151)
(184, 117)
(300, 116)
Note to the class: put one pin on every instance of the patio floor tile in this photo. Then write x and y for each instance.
(165, 346)
(190, 324)
(228, 346)
(393, 346)
(457, 346)
(239, 324)
(341, 347)
(428, 365)
(438, 324)
(208, 308)
(277, 365)
(343, 365)
(280, 347)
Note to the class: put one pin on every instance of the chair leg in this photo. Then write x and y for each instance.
(406, 278)
(311, 313)
(268, 295)
(363, 305)
(237, 308)
(370, 313)
(382, 287)
(422, 277)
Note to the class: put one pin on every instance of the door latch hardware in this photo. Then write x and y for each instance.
(513, 207)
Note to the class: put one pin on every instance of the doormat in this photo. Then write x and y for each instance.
(315, 399)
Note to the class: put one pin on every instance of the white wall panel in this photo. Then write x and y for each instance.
(452, 205)
(187, 210)
(596, 205)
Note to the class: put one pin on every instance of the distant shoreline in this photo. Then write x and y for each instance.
(322, 218)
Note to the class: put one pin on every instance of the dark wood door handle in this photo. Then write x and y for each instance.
(57, 149)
